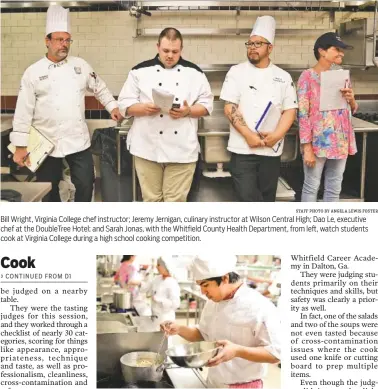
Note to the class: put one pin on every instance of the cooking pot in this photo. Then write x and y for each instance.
(122, 299)
(191, 355)
(133, 372)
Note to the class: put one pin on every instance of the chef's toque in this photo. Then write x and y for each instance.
(169, 263)
(213, 265)
(265, 26)
(57, 20)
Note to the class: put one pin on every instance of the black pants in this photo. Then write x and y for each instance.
(255, 177)
(82, 175)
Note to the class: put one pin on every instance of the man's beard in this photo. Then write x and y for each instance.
(254, 61)
(62, 54)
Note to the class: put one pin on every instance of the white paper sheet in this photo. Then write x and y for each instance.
(331, 82)
(39, 147)
(163, 99)
(269, 121)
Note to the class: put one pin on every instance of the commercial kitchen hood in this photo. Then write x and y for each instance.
(193, 4)
(46, 4)
(362, 36)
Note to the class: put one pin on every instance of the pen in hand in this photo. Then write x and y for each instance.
(26, 158)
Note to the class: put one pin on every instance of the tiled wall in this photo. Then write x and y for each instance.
(107, 41)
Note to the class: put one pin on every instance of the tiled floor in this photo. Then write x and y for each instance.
(271, 381)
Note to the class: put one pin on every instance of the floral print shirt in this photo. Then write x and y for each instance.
(330, 132)
(127, 272)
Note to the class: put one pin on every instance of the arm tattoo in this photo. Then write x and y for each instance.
(235, 117)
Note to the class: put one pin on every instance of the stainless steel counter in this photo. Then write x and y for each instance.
(213, 123)
(186, 378)
(30, 191)
(363, 126)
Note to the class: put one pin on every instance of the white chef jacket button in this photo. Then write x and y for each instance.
(175, 132)
(176, 99)
(158, 70)
(161, 132)
(161, 115)
(178, 70)
(177, 83)
(159, 83)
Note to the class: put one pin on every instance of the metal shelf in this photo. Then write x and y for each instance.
(154, 32)
(185, 311)
(212, 68)
(258, 4)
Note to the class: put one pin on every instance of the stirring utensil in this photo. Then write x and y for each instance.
(159, 349)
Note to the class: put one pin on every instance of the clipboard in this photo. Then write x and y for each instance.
(331, 81)
(39, 147)
(269, 121)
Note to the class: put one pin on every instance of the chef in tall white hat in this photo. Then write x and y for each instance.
(164, 290)
(243, 322)
(248, 89)
(51, 99)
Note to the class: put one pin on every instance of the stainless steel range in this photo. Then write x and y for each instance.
(368, 110)
(371, 117)
(116, 337)
(116, 381)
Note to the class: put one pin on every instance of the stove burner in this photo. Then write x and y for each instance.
(115, 381)
(371, 117)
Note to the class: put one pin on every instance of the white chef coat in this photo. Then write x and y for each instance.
(252, 88)
(51, 98)
(160, 138)
(248, 319)
(166, 297)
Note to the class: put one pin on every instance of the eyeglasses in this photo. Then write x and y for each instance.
(256, 44)
(61, 40)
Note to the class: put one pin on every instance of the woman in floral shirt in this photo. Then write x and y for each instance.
(128, 276)
(327, 137)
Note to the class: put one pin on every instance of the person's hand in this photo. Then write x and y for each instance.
(348, 95)
(170, 328)
(270, 138)
(150, 109)
(21, 157)
(254, 140)
(177, 113)
(116, 115)
(309, 156)
(225, 354)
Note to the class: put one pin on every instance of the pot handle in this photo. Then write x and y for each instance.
(165, 365)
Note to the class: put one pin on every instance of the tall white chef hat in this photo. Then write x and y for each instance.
(169, 263)
(58, 19)
(213, 265)
(265, 26)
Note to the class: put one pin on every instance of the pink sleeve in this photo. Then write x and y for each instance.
(305, 131)
(123, 275)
